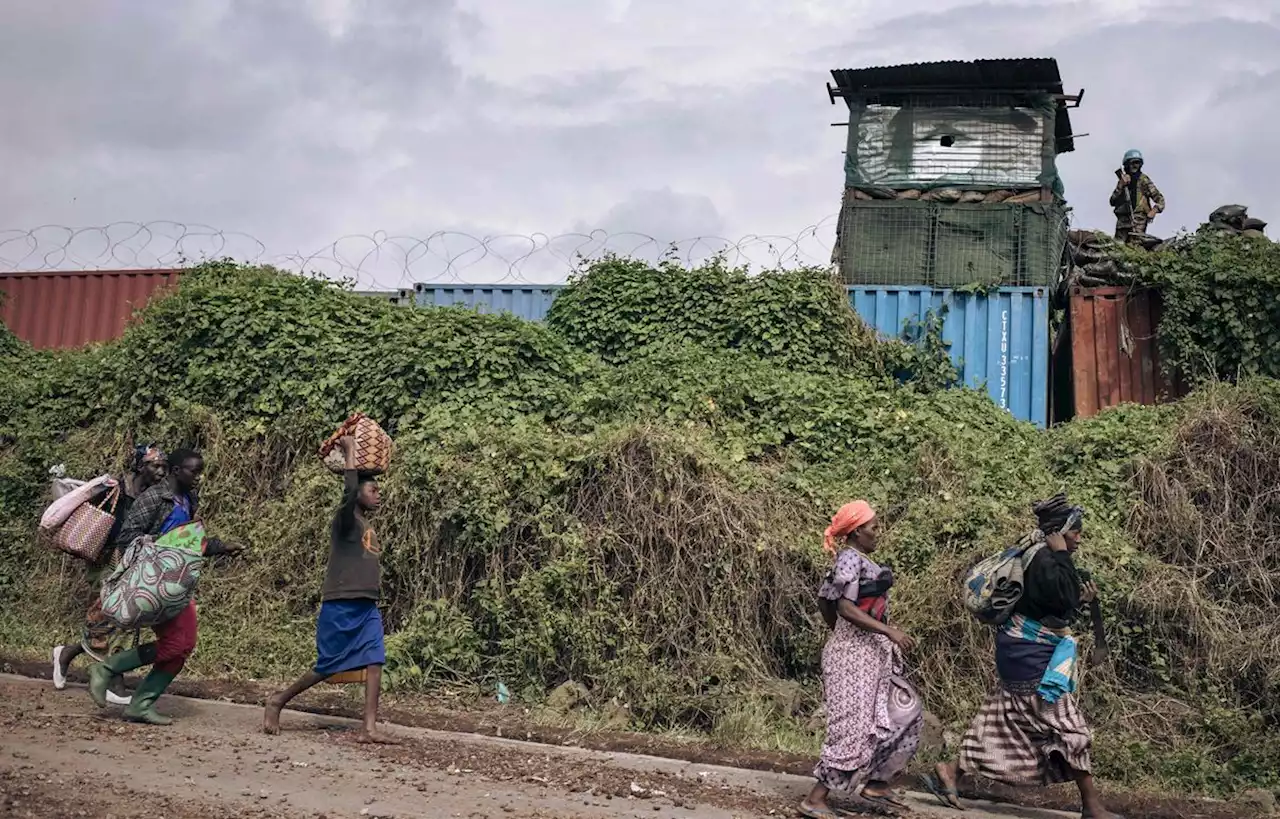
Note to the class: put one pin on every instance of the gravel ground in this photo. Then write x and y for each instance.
(60, 756)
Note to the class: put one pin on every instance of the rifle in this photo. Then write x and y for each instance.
(1128, 197)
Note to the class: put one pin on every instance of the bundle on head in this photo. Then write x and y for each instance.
(1052, 514)
(373, 446)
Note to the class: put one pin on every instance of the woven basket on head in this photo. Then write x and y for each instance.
(373, 446)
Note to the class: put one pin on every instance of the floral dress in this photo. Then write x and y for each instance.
(874, 717)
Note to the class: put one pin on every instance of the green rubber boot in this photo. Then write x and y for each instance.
(143, 706)
(101, 674)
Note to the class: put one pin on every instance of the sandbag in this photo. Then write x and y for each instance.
(1146, 240)
(1253, 224)
(972, 197)
(879, 192)
(1025, 198)
(995, 197)
(1227, 214)
(373, 446)
(1104, 268)
(155, 579)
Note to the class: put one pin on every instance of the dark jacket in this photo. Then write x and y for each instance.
(1051, 589)
(1051, 596)
(149, 512)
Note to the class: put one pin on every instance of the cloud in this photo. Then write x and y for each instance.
(299, 123)
(664, 215)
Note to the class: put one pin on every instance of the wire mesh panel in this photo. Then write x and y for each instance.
(900, 242)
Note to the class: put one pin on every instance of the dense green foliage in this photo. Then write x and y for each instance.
(791, 317)
(1221, 317)
(631, 497)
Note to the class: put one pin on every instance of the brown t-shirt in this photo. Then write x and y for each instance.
(355, 570)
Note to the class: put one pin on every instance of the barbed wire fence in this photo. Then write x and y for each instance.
(387, 262)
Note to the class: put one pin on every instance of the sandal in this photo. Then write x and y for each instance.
(887, 799)
(948, 797)
(818, 813)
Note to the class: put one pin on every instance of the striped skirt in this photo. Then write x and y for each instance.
(1019, 739)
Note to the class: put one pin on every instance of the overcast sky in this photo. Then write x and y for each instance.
(487, 117)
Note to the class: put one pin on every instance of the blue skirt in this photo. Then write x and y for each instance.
(348, 636)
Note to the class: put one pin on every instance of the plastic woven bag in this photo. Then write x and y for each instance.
(85, 533)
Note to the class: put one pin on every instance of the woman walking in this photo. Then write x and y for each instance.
(100, 638)
(349, 635)
(161, 509)
(1030, 730)
(874, 716)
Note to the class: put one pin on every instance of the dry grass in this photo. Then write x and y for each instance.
(1210, 511)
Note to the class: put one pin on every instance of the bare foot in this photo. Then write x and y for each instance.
(376, 738)
(271, 715)
(947, 774)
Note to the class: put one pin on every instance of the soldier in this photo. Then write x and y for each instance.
(1136, 199)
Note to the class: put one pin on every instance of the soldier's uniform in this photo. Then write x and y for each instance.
(1132, 202)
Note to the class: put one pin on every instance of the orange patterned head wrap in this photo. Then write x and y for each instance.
(850, 518)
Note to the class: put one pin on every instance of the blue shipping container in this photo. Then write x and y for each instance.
(998, 340)
(528, 301)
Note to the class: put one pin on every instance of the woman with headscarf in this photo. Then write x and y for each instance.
(168, 505)
(874, 716)
(100, 638)
(1030, 731)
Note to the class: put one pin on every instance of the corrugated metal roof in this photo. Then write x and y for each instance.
(1031, 74)
(62, 309)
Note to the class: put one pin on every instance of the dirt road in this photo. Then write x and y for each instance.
(62, 757)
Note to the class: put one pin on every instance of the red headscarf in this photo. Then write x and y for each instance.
(850, 518)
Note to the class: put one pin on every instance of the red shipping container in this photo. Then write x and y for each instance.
(64, 309)
(1115, 356)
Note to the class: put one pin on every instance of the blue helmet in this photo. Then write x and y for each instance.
(1132, 153)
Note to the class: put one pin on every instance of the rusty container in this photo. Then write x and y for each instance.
(64, 309)
(1114, 356)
